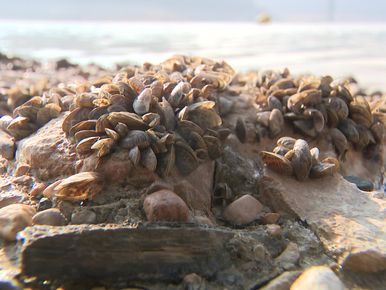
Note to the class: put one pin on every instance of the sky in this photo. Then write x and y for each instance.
(194, 10)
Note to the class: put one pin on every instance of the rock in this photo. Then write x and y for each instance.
(83, 216)
(44, 203)
(289, 257)
(196, 188)
(7, 282)
(47, 151)
(271, 218)
(243, 210)
(38, 189)
(51, 217)
(349, 222)
(170, 252)
(318, 278)
(274, 230)
(193, 282)
(14, 218)
(10, 197)
(282, 282)
(24, 180)
(362, 184)
(7, 146)
(240, 173)
(165, 205)
(21, 169)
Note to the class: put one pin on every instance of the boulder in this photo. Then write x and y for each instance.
(349, 222)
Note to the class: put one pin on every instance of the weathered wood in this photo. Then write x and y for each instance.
(148, 252)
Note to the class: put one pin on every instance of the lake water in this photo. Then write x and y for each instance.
(358, 50)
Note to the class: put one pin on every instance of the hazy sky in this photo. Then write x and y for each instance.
(194, 10)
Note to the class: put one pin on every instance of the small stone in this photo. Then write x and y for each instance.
(362, 184)
(318, 278)
(243, 210)
(83, 216)
(7, 146)
(49, 191)
(51, 217)
(165, 205)
(274, 230)
(283, 281)
(37, 189)
(13, 219)
(193, 282)
(22, 169)
(23, 180)
(44, 203)
(289, 257)
(271, 218)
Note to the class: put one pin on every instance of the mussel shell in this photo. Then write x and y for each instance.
(287, 142)
(135, 138)
(186, 160)
(348, 128)
(131, 120)
(339, 141)
(166, 162)
(75, 116)
(241, 130)
(276, 162)
(276, 122)
(84, 145)
(322, 169)
(301, 160)
(214, 146)
(148, 159)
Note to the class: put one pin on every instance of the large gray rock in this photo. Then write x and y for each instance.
(349, 222)
(47, 151)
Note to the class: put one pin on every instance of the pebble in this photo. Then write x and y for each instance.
(37, 189)
(283, 281)
(193, 282)
(271, 218)
(44, 203)
(83, 216)
(22, 169)
(274, 230)
(165, 205)
(7, 146)
(23, 180)
(243, 210)
(318, 278)
(289, 257)
(51, 217)
(13, 219)
(362, 184)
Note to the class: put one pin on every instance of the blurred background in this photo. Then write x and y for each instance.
(336, 37)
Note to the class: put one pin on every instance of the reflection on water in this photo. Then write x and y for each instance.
(340, 50)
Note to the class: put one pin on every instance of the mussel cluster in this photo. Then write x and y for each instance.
(163, 116)
(314, 105)
(294, 157)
